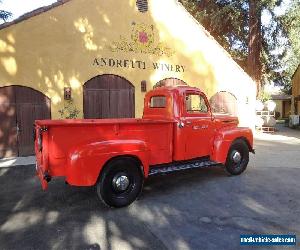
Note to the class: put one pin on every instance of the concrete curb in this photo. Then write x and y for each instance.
(17, 161)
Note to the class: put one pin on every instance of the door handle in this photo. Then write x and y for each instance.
(188, 122)
(18, 128)
(200, 127)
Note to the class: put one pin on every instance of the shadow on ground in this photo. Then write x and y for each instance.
(198, 209)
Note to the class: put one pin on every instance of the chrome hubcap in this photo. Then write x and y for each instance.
(120, 182)
(236, 157)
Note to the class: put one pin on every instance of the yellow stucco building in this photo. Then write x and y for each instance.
(96, 58)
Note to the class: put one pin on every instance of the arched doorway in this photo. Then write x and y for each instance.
(169, 82)
(108, 96)
(224, 102)
(19, 108)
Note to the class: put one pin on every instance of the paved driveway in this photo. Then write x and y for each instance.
(199, 209)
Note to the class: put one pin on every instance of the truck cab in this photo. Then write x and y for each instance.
(196, 131)
(178, 131)
(191, 111)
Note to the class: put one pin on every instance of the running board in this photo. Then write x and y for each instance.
(166, 169)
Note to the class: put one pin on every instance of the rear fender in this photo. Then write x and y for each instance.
(85, 162)
(224, 139)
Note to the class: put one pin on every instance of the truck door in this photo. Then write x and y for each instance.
(198, 126)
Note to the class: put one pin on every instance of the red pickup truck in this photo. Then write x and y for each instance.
(178, 131)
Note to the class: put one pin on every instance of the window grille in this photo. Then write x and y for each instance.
(142, 5)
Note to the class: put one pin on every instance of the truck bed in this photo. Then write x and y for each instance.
(64, 137)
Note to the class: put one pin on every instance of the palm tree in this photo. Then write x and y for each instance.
(4, 15)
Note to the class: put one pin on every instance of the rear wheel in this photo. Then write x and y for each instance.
(237, 158)
(120, 182)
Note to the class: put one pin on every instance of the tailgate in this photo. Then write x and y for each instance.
(41, 152)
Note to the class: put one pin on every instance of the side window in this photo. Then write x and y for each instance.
(195, 104)
(158, 102)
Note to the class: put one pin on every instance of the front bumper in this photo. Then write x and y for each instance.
(43, 176)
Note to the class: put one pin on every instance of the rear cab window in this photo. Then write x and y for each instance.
(158, 102)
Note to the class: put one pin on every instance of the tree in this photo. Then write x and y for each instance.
(4, 15)
(225, 22)
(237, 26)
(254, 65)
(291, 23)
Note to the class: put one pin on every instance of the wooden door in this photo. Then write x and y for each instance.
(8, 123)
(26, 106)
(108, 96)
(31, 105)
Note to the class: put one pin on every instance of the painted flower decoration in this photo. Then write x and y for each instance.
(143, 37)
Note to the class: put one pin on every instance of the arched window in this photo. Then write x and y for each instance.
(224, 102)
(169, 82)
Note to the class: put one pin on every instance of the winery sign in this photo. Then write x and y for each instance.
(142, 41)
(136, 64)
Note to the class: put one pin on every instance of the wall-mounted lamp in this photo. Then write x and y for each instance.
(144, 86)
(67, 93)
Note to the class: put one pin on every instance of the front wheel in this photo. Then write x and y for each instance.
(120, 183)
(237, 157)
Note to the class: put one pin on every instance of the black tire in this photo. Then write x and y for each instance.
(232, 165)
(120, 183)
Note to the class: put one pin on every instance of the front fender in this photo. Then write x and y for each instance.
(85, 162)
(224, 139)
